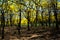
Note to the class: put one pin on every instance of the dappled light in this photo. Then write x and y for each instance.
(29, 19)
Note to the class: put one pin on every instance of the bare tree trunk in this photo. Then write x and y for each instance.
(19, 24)
(49, 17)
(28, 21)
(2, 23)
(42, 18)
(55, 14)
(57, 27)
(36, 18)
(10, 19)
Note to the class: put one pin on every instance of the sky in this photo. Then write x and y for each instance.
(58, 0)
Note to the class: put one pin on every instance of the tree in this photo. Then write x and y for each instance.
(54, 6)
(2, 20)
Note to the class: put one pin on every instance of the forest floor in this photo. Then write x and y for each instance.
(35, 33)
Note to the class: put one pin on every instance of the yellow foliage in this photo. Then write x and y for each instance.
(58, 5)
(25, 0)
(36, 1)
(52, 18)
(32, 19)
(40, 17)
(32, 15)
(24, 21)
(15, 19)
(13, 7)
(44, 4)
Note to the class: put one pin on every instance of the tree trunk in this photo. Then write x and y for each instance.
(36, 18)
(49, 17)
(42, 18)
(19, 24)
(28, 21)
(10, 19)
(2, 23)
(55, 14)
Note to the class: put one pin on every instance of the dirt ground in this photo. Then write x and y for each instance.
(35, 33)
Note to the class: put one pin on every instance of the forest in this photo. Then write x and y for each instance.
(29, 19)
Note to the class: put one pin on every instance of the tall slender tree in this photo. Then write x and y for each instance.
(28, 20)
(54, 6)
(19, 24)
(2, 20)
(2, 23)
